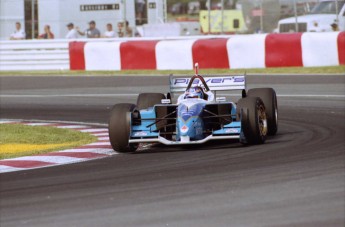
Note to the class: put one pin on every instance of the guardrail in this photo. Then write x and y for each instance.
(34, 55)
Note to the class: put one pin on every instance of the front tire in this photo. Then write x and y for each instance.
(269, 97)
(120, 126)
(253, 119)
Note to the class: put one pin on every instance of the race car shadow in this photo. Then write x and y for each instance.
(211, 145)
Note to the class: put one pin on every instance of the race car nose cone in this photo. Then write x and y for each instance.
(185, 139)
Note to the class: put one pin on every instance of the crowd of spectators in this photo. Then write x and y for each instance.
(74, 32)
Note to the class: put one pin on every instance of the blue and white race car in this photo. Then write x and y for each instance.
(198, 115)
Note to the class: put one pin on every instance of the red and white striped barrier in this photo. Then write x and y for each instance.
(235, 52)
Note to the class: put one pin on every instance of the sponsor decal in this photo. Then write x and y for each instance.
(141, 133)
(184, 128)
(210, 81)
(165, 101)
(231, 130)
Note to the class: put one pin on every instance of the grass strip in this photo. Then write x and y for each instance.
(22, 140)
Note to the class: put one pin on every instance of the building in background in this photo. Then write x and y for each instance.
(34, 14)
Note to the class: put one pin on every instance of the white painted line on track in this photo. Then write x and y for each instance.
(72, 126)
(65, 95)
(100, 134)
(106, 151)
(5, 169)
(7, 121)
(94, 130)
(38, 124)
(23, 121)
(313, 96)
(51, 159)
(103, 138)
(97, 144)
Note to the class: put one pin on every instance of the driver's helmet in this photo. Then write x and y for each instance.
(194, 92)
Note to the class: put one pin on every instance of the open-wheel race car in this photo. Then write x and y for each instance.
(198, 115)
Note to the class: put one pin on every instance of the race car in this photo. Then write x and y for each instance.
(197, 116)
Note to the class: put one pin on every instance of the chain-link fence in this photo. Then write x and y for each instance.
(263, 16)
(161, 17)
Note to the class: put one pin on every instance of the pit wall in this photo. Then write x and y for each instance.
(238, 51)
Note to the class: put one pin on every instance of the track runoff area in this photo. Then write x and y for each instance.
(98, 148)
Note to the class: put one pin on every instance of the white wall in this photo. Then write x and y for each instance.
(155, 15)
(11, 11)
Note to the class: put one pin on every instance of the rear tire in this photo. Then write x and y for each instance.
(254, 121)
(120, 127)
(269, 97)
(146, 100)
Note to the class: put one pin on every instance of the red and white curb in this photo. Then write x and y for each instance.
(99, 149)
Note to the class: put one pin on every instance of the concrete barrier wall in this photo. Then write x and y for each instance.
(239, 51)
(232, 52)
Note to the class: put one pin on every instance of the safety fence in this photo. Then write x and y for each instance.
(233, 52)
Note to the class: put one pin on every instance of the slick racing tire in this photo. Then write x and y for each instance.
(120, 126)
(269, 97)
(253, 120)
(146, 100)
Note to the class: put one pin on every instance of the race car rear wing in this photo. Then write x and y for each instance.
(217, 83)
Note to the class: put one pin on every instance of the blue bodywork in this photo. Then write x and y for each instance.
(189, 122)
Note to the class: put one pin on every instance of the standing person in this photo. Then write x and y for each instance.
(109, 33)
(124, 31)
(129, 31)
(335, 27)
(120, 29)
(47, 33)
(19, 33)
(72, 33)
(91, 32)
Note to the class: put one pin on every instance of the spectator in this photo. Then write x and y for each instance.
(120, 29)
(19, 33)
(124, 31)
(109, 33)
(335, 27)
(72, 33)
(129, 31)
(91, 32)
(47, 33)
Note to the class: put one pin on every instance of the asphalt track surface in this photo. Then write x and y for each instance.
(295, 179)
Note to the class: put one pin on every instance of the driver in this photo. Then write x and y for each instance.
(194, 92)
